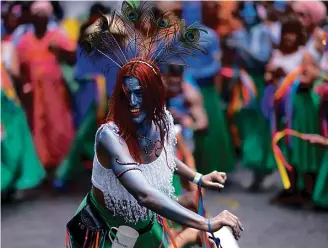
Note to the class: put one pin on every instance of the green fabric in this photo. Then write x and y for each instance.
(68, 75)
(152, 238)
(177, 185)
(214, 149)
(305, 157)
(255, 134)
(20, 166)
(320, 195)
(83, 146)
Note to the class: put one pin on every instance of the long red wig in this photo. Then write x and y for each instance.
(153, 93)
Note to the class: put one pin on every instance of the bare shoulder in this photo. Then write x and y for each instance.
(108, 138)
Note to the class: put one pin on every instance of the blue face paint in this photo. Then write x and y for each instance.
(133, 92)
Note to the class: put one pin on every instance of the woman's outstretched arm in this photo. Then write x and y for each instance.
(214, 180)
(113, 152)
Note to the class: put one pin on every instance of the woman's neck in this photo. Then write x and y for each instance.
(287, 51)
(144, 128)
(40, 31)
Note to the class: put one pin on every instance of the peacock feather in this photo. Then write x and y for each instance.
(142, 31)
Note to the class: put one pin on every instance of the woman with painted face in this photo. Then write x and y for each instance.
(134, 150)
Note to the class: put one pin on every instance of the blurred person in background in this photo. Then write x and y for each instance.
(283, 61)
(311, 14)
(320, 194)
(290, 52)
(305, 157)
(26, 25)
(252, 54)
(85, 71)
(40, 50)
(21, 169)
(95, 89)
(11, 13)
(213, 148)
(186, 105)
(231, 30)
(10, 16)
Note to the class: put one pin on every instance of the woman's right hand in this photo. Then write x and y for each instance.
(225, 218)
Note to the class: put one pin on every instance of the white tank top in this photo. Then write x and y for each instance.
(287, 62)
(159, 174)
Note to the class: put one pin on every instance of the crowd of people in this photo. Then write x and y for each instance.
(265, 71)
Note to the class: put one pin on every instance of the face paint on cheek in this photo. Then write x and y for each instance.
(133, 92)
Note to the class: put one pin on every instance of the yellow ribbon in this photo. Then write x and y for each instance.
(280, 160)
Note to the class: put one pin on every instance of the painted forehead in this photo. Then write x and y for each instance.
(132, 83)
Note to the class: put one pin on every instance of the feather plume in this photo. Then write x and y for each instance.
(141, 32)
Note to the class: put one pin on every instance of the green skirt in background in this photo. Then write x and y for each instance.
(21, 168)
(305, 157)
(255, 134)
(177, 185)
(320, 195)
(152, 238)
(82, 147)
(214, 149)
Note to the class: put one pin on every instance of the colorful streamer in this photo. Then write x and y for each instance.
(287, 83)
(281, 161)
(289, 106)
(321, 88)
(200, 209)
(249, 90)
(7, 85)
(242, 94)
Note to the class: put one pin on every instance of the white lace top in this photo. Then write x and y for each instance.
(159, 174)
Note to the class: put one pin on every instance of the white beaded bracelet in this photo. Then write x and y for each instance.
(197, 178)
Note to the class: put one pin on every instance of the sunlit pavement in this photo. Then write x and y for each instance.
(40, 223)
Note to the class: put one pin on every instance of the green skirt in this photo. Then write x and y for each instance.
(255, 134)
(320, 195)
(20, 166)
(152, 238)
(177, 185)
(305, 157)
(214, 149)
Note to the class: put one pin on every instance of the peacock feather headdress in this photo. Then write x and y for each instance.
(142, 34)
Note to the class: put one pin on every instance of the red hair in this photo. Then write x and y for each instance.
(153, 93)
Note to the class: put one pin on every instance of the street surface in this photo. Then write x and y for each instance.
(40, 223)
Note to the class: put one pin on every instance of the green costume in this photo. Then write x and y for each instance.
(20, 166)
(305, 157)
(214, 149)
(255, 134)
(152, 238)
(320, 195)
(177, 185)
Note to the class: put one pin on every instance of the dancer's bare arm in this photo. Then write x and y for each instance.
(113, 153)
(213, 180)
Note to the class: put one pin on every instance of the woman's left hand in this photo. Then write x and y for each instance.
(214, 180)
